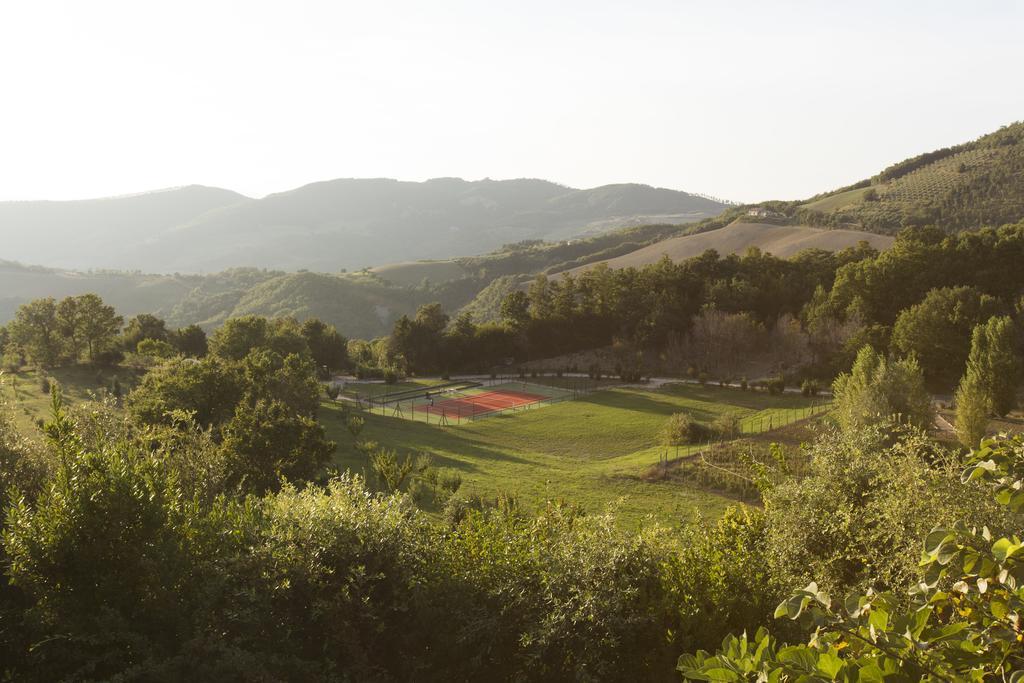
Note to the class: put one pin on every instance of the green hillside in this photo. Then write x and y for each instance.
(975, 184)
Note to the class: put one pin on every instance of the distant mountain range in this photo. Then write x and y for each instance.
(325, 226)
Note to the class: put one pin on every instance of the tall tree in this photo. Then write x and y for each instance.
(973, 408)
(99, 324)
(1001, 363)
(190, 341)
(938, 330)
(877, 388)
(37, 330)
(327, 346)
(69, 322)
(144, 326)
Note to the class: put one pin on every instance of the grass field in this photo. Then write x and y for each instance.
(591, 451)
(594, 451)
(23, 394)
(375, 389)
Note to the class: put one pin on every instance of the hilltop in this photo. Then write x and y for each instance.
(326, 226)
(971, 185)
(96, 233)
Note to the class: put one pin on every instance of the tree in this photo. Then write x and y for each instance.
(99, 324)
(238, 336)
(144, 326)
(328, 347)
(266, 441)
(190, 341)
(877, 388)
(973, 408)
(515, 309)
(154, 348)
(938, 330)
(995, 363)
(36, 330)
(69, 323)
(420, 341)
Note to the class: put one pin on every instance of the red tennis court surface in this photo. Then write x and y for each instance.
(486, 402)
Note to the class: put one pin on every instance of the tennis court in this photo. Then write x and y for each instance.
(478, 404)
(452, 404)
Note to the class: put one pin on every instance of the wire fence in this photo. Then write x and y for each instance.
(469, 401)
(725, 464)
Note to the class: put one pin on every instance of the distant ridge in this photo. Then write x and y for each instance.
(329, 225)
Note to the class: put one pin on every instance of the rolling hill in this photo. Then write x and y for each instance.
(736, 238)
(97, 233)
(974, 184)
(325, 226)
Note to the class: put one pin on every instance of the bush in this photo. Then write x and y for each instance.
(743, 384)
(858, 516)
(333, 391)
(776, 386)
(810, 387)
(390, 376)
(727, 426)
(44, 384)
(703, 378)
(681, 429)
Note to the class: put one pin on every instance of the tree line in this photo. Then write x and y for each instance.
(923, 297)
(48, 333)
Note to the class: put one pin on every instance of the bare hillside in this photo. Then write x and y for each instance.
(781, 240)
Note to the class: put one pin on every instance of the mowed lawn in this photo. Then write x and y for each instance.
(590, 451)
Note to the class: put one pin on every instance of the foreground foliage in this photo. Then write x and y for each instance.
(961, 621)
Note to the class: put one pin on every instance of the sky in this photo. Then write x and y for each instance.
(741, 100)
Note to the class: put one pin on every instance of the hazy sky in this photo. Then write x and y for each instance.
(744, 100)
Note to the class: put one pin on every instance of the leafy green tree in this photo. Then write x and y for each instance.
(190, 341)
(421, 340)
(238, 336)
(69, 323)
(993, 360)
(973, 408)
(265, 442)
(938, 330)
(154, 348)
(144, 326)
(328, 347)
(36, 329)
(515, 309)
(878, 388)
(98, 324)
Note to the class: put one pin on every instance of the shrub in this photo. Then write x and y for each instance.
(728, 425)
(703, 378)
(390, 376)
(776, 386)
(810, 387)
(44, 384)
(743, 384)
(681, 429)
